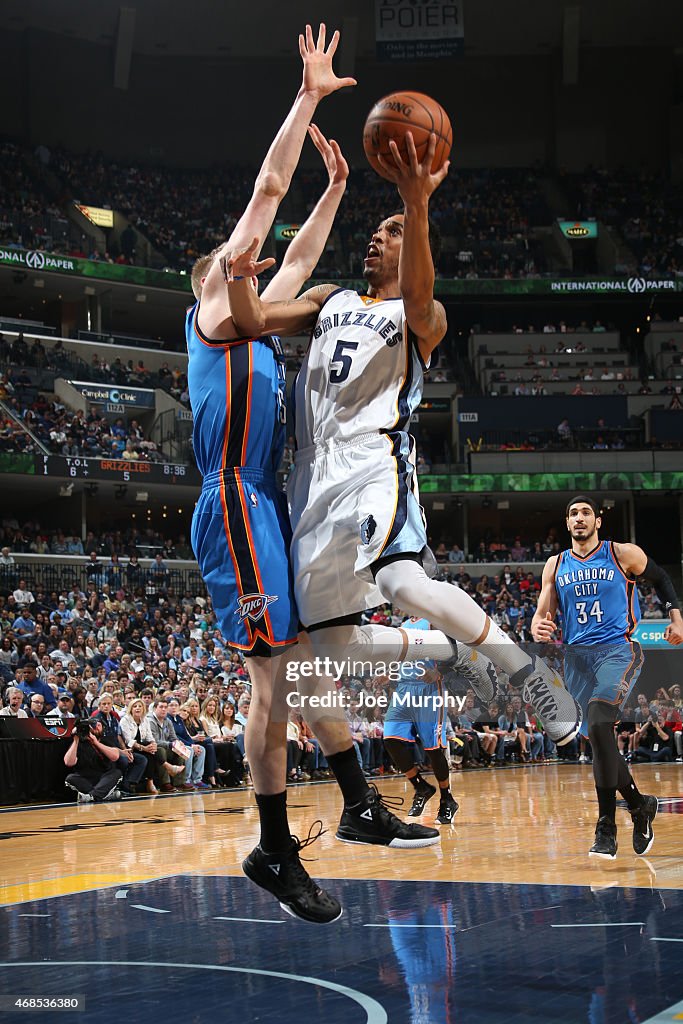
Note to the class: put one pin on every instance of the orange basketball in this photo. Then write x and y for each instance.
(401, 112)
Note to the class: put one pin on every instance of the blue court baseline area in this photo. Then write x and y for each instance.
(197, 949)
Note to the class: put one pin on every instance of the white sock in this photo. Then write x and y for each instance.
(373, 645)
(422, 643)
(406, 584)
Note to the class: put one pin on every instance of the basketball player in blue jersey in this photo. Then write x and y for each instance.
(240, 528)
(358, 533)
(418, 709)
(593, 584)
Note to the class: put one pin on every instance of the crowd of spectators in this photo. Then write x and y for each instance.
(74, 434)
(29, 217)
(19, 356)
(144, 659)
(487, 216)
(644, 206)
(552, 362)
(32, 537)
(486, 219)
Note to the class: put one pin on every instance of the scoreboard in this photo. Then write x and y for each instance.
(118, 470)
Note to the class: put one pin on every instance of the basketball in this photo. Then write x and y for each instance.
(401, 112)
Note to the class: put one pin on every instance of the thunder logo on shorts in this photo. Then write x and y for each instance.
(240, 527)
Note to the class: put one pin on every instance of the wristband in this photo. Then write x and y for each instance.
(238, 277)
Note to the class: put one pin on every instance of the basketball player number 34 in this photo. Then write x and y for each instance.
(596, 612)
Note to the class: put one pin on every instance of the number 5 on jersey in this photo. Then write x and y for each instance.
(339, 375)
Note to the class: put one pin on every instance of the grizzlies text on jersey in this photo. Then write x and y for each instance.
(240, 527)
(353, 493)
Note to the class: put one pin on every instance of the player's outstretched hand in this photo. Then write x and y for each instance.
(243, 263)
(543, 631)
(319, 78)
(413, 178)
(336, 165)
(673, 634)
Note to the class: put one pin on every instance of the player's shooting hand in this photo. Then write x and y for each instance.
(673, 634)
(413, 179)
(337, 167)
(243, 263)
(543, 630)
(319, 78)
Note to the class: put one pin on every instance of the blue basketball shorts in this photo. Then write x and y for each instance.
(606, 672)
(241, 537)
(417, 710)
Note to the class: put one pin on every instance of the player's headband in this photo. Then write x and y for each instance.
(582, 499)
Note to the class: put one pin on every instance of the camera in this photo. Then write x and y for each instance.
(83, 729)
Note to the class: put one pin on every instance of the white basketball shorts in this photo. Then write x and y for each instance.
(351, 503)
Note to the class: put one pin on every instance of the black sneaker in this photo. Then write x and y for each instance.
(605, 844)
(643, 834)
(372, 822)
(283, 875)
(423, 793)
(447, 810)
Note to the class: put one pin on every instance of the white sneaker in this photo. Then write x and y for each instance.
(544, 690)
(583, 759)
(477, 669)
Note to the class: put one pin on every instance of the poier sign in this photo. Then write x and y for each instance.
(407, 30)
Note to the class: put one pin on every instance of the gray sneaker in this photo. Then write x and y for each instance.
(477, 669)
(81, 798)
(544, 690)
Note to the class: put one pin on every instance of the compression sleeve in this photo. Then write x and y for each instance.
(664, 588)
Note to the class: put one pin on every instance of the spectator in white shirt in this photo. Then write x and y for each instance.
(14, 698)
(22, 595)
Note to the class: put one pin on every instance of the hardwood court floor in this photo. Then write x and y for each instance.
(530, 825)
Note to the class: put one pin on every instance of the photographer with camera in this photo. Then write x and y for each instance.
(96, 774)
(655, 738)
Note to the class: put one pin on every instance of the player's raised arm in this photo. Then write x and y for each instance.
(633, 560)
(543, 623)
(306, 249)
(251, 315)
(416, 182)
(274, 178)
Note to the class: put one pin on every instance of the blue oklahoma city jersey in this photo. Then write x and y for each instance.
(598, 601)
(237, 392)
(240, 527)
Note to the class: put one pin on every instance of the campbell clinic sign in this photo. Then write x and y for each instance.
(141, 398)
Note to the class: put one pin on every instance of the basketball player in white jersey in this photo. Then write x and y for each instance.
(359, 536)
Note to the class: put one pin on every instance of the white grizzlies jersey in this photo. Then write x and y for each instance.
(362, 371)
